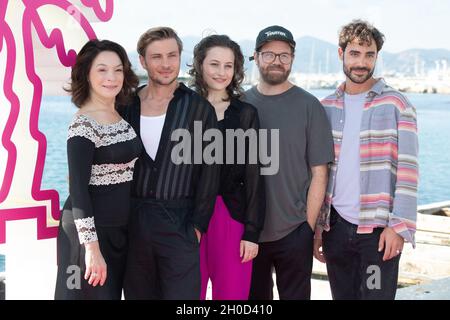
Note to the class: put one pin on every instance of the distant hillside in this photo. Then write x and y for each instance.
(317, 56)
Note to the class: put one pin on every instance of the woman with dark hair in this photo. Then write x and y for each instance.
(101, 149)
(231, 242)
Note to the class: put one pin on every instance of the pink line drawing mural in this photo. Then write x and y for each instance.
(52, 39)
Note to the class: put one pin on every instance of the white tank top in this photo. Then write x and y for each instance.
(151, 129)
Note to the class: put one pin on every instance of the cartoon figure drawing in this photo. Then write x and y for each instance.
(23, 146)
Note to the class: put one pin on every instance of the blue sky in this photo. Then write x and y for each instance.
(406, 23)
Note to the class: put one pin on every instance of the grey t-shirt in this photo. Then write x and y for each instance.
(347, 187)
(305, 141)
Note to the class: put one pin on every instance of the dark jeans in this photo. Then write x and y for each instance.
(292, 257)
(356, 269)
(163, 258)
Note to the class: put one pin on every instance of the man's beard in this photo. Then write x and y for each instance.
(274, 78)
(165, 82)
(356, 79)
(162, 81)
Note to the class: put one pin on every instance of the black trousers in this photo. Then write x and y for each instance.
(163, 257)
(292, 258)
(70, 282)
(356, 269)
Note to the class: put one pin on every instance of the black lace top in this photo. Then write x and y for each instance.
(101, 160)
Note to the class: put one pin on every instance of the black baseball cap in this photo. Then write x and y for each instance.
(273, 33)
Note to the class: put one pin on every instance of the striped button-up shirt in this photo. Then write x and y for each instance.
(163, 179)
(388, 161)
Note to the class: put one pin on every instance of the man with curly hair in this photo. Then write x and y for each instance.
(371, 201)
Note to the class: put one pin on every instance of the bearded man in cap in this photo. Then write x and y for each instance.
(294, 194)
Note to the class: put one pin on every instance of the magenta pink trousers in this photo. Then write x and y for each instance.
(220, 260)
